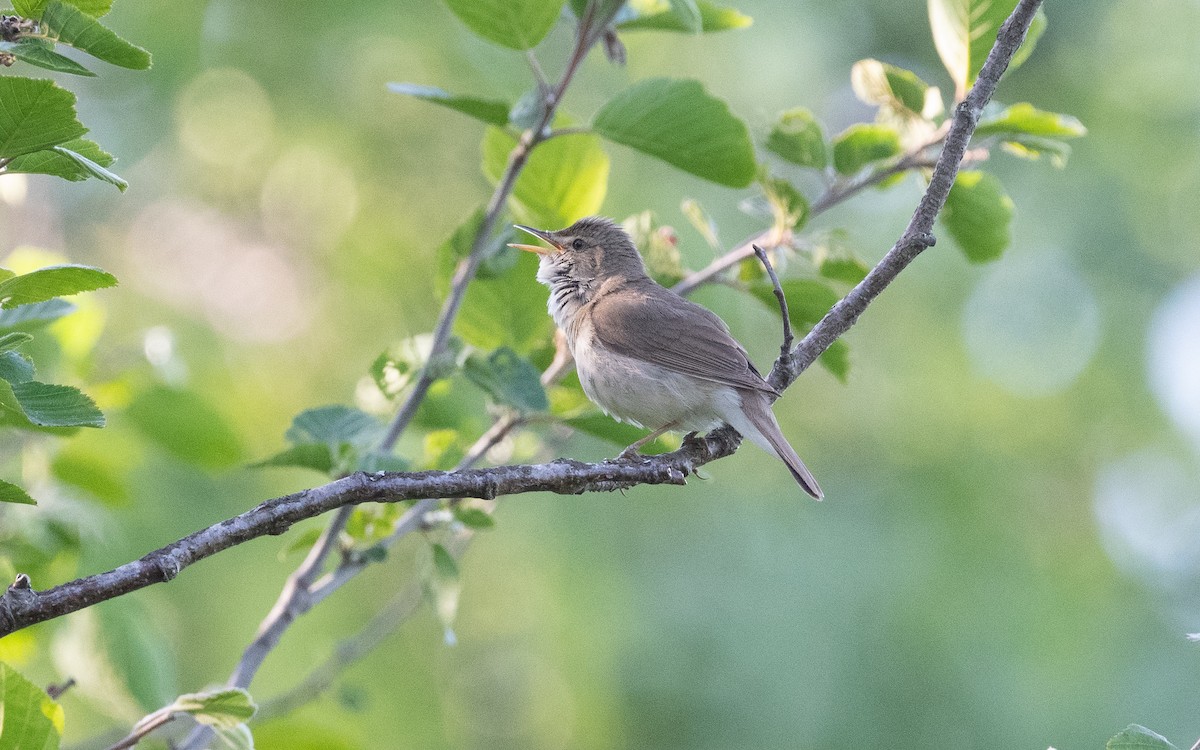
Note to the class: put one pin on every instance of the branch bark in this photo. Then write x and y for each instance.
(22, 606)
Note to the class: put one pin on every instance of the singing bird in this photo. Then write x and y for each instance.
(644, 354)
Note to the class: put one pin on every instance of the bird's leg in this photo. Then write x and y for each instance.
(632, 450)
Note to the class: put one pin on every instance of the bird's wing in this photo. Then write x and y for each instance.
(654, 324)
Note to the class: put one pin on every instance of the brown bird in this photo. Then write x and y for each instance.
(644, 354)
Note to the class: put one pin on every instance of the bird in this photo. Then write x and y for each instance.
(646, 355)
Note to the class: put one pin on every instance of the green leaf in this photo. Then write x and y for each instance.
(977, 215)
(516, 24)
(964, 32)
(861, 144)
(334, 426)
(473, 518)
(92, 169)
(72, 26)
(315, 456)
(661, 16)
(35, 8)
(100, 471)
(509, 310)
(679, 122)
(564, 179)
(34, 316)
(224, 708)
(808, 299)
(186, 425)
(1033, 147)
(788, 206)
(797, 137)
(508, 378)
(493, 111)
(844, 268)
(446, 586)
(235, 738)
(52, 162)
(15, 367)
(618, 433)
(688, 15)
(37, 114)
(52, 281)
(885, 85)
(1025, 119)
(10, 341)
(38, 53)
(46, 405)
(836, 359)
(28, 717)
(11, 493)
(1137, 737)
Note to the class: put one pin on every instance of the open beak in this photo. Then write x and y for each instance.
(543, 236)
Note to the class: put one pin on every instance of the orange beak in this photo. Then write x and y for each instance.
(541, 235)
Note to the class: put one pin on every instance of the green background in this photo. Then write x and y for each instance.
(1006, 555)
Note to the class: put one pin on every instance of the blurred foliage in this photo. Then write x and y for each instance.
(981, 575)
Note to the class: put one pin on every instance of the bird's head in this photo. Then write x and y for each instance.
(589, 251)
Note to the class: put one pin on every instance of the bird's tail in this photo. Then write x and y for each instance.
(760, 426)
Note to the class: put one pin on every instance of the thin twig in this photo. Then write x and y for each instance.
(56, 691)
(785, 348)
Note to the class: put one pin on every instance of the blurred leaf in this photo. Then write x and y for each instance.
(885, 85)
(808, 299)
(15, 367)
(224, 708)
(836, 359)
(508, 378)
(1025, 119)
(701, 220)
(682, 124)
(186, 425)
(90, 471)
(28, 717)
(474, 518)
(863, 143)
(964, 32)
(135, 652)
(659, 245)
(37, 114)
(491, 111)
(54, 281)
(618, 433)
(844, 268)
(302, 542)
(333, 426)
(564, 179)
(977, 215)
(238, 737)
(688, 15)
(10, 341)
(34, 316)
(509, 310)
(658, 15)
(516, 24)
(315, 456)
(1033, 147)
(92, 168)
(34, 8)
(797, 137)
(11, 493)
(293, 734)
(1137, 737)
(446, 589)
(394, 369)
(788, 207)
(47, 405)
(50, 161)
(38, 53)
(442, 448)
(72, 26)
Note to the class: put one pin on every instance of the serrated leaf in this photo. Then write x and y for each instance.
(680, 123)
(186, 425)
(46, 405)
(34, 316)
(15, 367)
(1025, 119)
(862, 144)
(663, 17)
(315, 456)
(977, 215)
(224, 708)
(70, 25)
(885, 85)
(508, 378)
(30, 718)
(52, 281)
(797, 137)
(474, 518)
(34, 8)
(37, 53)
(491, 111)
(37, 114)
(10, 341)
(93, 169)
(1137, 737)
(51, 162)
(564, 179)
(334, 425)
(516, 24)
(964, 32)
(11, 493)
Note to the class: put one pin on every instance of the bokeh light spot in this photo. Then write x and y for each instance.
(225, 118)
(1173, 356)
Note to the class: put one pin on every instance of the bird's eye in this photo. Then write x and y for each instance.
(577, 244)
